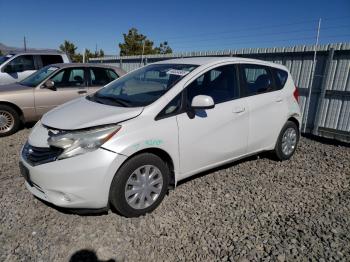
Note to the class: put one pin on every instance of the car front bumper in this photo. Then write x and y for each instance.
(79, 182)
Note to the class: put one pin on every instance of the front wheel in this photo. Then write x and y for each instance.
(139, 185)
(287, 141)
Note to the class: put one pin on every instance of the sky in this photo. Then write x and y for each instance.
(186, 25)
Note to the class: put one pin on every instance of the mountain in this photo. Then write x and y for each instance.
(9, 49)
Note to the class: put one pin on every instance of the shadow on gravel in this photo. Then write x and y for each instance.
(28, 125)
(262, 155)
(87, 255)
(327, 141)
(78, 211)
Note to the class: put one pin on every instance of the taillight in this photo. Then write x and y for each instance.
(296, 94)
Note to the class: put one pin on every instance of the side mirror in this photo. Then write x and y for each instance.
(49, 84)
(202, 102)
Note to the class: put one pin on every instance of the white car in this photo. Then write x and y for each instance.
(18, 66)
(123, 146)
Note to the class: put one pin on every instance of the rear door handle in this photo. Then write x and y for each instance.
(82, 92)
(238, 109)
(278, 99)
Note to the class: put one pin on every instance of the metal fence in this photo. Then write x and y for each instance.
(328, 114)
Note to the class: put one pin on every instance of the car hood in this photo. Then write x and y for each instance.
(82, 113)
(13, 87)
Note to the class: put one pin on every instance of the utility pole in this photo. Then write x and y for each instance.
(84, 55)
(311, 82)
(143, 50)
(25, 44)
(96, 50)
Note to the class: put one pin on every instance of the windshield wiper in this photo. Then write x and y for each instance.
(120, 101)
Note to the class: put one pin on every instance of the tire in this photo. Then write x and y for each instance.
(9, 120)
(127, 196)
(287, 141)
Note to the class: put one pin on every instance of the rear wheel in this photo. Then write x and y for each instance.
(9, 120)
(139, 185)
(287, 141)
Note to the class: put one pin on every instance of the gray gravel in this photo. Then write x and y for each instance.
(251, 210)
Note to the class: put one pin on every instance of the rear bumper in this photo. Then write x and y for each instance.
(78, 182)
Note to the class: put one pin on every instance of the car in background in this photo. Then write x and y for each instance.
(47, 88)
(14, 67)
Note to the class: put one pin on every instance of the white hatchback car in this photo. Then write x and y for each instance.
(123, 146)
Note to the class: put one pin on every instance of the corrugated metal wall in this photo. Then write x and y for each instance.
(329, 108)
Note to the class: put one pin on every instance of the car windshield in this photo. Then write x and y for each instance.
(3, 59)
(39, 76)
(143, 86)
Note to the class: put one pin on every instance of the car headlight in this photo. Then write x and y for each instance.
(79, 142)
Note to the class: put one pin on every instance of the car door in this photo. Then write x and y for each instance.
(69, 83)
(266, 107)
(18, 68)
(100, 77)
(211, 137)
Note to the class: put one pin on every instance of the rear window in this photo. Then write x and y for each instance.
(100, 76)
(112, 75)
(256, 79)
(281, 77)
(51, 59)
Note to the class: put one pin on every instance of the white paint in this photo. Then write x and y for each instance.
(229, 131)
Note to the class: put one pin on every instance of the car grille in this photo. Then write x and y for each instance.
(40, 155)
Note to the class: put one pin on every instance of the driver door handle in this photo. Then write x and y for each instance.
(82, 92)
(238, 109)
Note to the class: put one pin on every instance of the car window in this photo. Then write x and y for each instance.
(256, 79)
(172, 108)
(281, 77)
(51, 59)
(69, 77)
(39, 76)
(22, 63)
(112, 75)
(99, 76)
(3, 59)
(142, 86)
(219, 83)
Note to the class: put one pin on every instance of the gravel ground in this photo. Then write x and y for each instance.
(257, 209)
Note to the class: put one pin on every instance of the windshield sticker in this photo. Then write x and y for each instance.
(177, 72)
(52, 68)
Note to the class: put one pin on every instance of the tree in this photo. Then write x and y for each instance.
(163, 48)
(101, 53)
(89, 54)
(136, 43)
(69, 48)
(77, 58)
(0, 52)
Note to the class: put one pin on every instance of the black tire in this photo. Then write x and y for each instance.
(117, 197)
(278, 151)
(8, 111)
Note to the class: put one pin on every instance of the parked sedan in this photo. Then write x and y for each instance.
(49, 87)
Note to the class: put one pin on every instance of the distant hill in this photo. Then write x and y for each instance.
(9, 49)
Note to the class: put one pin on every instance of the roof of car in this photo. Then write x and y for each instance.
(215, 60)
(66, 65)
(36, 52)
